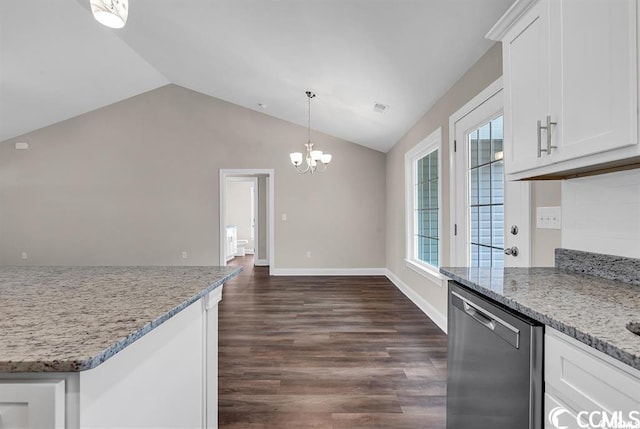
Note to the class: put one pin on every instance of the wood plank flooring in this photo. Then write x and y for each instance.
(326, 353)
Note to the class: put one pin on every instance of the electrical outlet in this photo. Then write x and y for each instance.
(24, 255)
(184, 254)
(284, 216)
(308, 253)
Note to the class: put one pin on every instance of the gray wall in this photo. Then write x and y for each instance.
(136, 183)
(544, 241)
(485, 71)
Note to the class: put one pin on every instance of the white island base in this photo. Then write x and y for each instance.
(166, 379)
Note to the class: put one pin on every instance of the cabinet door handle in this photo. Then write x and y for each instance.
(540, 150)
(548, 130)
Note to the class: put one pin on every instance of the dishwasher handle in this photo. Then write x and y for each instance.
(501, 328)
(478, 315)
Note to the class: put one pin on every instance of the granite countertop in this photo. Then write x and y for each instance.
(594, 310)
(69, 319)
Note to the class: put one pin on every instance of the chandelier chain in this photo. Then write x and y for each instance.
(309, 118)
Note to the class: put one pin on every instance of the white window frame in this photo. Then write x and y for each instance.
(431, 143)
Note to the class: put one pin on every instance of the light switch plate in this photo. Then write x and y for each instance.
(549, 217)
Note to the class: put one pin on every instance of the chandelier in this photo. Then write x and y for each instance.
(316, 161)
(111, 13)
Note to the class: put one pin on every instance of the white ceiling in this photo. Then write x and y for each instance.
(57, 62)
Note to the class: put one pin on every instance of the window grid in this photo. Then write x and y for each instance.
(486, 196)
(426, 209)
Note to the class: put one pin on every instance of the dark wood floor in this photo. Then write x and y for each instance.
(327, 352)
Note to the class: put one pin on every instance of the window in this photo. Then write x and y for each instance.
(422, 195)
(486, 195)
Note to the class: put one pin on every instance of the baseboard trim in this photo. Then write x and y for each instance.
(261, 262)
(329, 272)
(437, 317)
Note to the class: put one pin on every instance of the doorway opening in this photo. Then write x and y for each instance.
(247, 216)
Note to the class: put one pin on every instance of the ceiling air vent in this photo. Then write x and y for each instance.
(380, 108)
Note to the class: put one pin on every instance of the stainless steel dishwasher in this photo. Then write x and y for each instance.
(494, 365)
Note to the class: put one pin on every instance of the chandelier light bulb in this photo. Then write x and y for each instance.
(316, 155)
(296, 158)
(325, 158)
(110, 13)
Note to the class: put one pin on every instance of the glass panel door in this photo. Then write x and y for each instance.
(486, 195)
(490, 215)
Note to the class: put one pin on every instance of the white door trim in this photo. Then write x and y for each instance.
(270, 173)
(471, 105)
(517, 195)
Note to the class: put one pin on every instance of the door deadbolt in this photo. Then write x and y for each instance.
(514, 229)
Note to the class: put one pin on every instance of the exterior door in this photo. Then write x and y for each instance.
(492, 218)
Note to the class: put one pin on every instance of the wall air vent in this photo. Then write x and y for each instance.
(380, 108)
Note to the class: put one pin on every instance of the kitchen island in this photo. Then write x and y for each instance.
(109, 346)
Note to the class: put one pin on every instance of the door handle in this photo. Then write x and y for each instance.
(513, 251)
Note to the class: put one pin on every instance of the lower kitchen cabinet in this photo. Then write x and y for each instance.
(166, 378)
(580, 380)
(559, 414)
(32, 403)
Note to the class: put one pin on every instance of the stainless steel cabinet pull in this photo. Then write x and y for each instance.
(548, 130)
(540, 139)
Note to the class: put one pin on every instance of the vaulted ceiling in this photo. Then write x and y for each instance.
(57, 62)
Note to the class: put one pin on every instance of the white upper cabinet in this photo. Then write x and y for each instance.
(527, 85)
(571, 86)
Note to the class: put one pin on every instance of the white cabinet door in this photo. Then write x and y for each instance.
(587, 381)
(527, 87)
(594, 76)
(37, 404)
(574, 62)
(558, 415)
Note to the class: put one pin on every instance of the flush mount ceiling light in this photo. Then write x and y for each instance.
(316, 161)
(111, 13)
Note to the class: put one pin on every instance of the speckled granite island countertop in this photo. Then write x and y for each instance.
(69, 319)
(592, 309)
